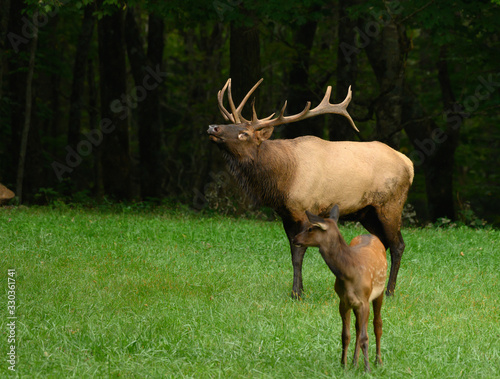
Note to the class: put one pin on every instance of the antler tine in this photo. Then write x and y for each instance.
(341, 108)
(297, 117)
(235, 115)
(254, 113)
(245, 99)
(231, 104)
(281, 119)
(220, 99)
(282, 112)
(255, 119)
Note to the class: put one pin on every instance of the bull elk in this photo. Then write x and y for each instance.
(360, 269)
(368, 180)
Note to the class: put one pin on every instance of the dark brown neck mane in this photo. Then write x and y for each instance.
(266, 177)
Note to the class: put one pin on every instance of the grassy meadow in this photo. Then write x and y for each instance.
(130, 293)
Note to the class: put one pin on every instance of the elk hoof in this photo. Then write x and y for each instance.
(296, 295)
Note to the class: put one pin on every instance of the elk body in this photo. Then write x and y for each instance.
(368, 180)
(360, 270)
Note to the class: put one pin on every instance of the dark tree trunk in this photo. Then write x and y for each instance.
(150, 123)
(4, 24)
(298, 83)
(245, 69)
(49, 87)
(440, 187)
(18, 46)
(78, 89)
(347, 61)
(79, 68)
(434, 146)
(116, 164)
(93, 110)
(27, 117)
(387, 53)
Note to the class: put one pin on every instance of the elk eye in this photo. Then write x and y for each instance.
(243, 136)
(310, 230)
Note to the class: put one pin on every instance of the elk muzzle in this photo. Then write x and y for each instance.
(297, 241)
(214, 133)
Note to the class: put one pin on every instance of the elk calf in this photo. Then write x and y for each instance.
(360, 270)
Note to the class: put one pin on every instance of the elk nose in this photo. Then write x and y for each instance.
(212, 129)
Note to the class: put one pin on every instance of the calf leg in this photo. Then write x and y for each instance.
(345, 314)
(362, 313)
(377, 325)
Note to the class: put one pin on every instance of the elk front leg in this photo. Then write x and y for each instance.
(345, 314)
(292, 228)
(297, 258)
(377, 325)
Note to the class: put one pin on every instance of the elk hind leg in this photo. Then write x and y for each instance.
(390, 218)
(385, 223)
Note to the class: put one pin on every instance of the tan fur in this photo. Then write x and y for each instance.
(5, 194)
(350, 174)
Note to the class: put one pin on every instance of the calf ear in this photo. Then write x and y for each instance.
(316, 221)
(334, 213)
(264, 133)
(322, 225)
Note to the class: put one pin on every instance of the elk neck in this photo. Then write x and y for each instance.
(266, 173)
(336, 253)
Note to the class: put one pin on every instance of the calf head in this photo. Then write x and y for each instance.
(317, 229)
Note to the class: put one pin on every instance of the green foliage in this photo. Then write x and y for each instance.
(149, 294)
(196, 59)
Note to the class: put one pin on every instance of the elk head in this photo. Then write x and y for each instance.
(242, 136)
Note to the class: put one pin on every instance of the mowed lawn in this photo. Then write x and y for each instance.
(175, 294)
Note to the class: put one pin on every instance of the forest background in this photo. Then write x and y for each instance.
(111, 100)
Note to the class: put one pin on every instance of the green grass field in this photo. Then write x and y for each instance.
(135, 294)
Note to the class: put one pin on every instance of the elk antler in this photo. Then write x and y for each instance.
(235, 115)
(323, 108)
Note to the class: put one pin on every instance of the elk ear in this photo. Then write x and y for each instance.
(334, 213)
(316, 221)
(264, 133)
